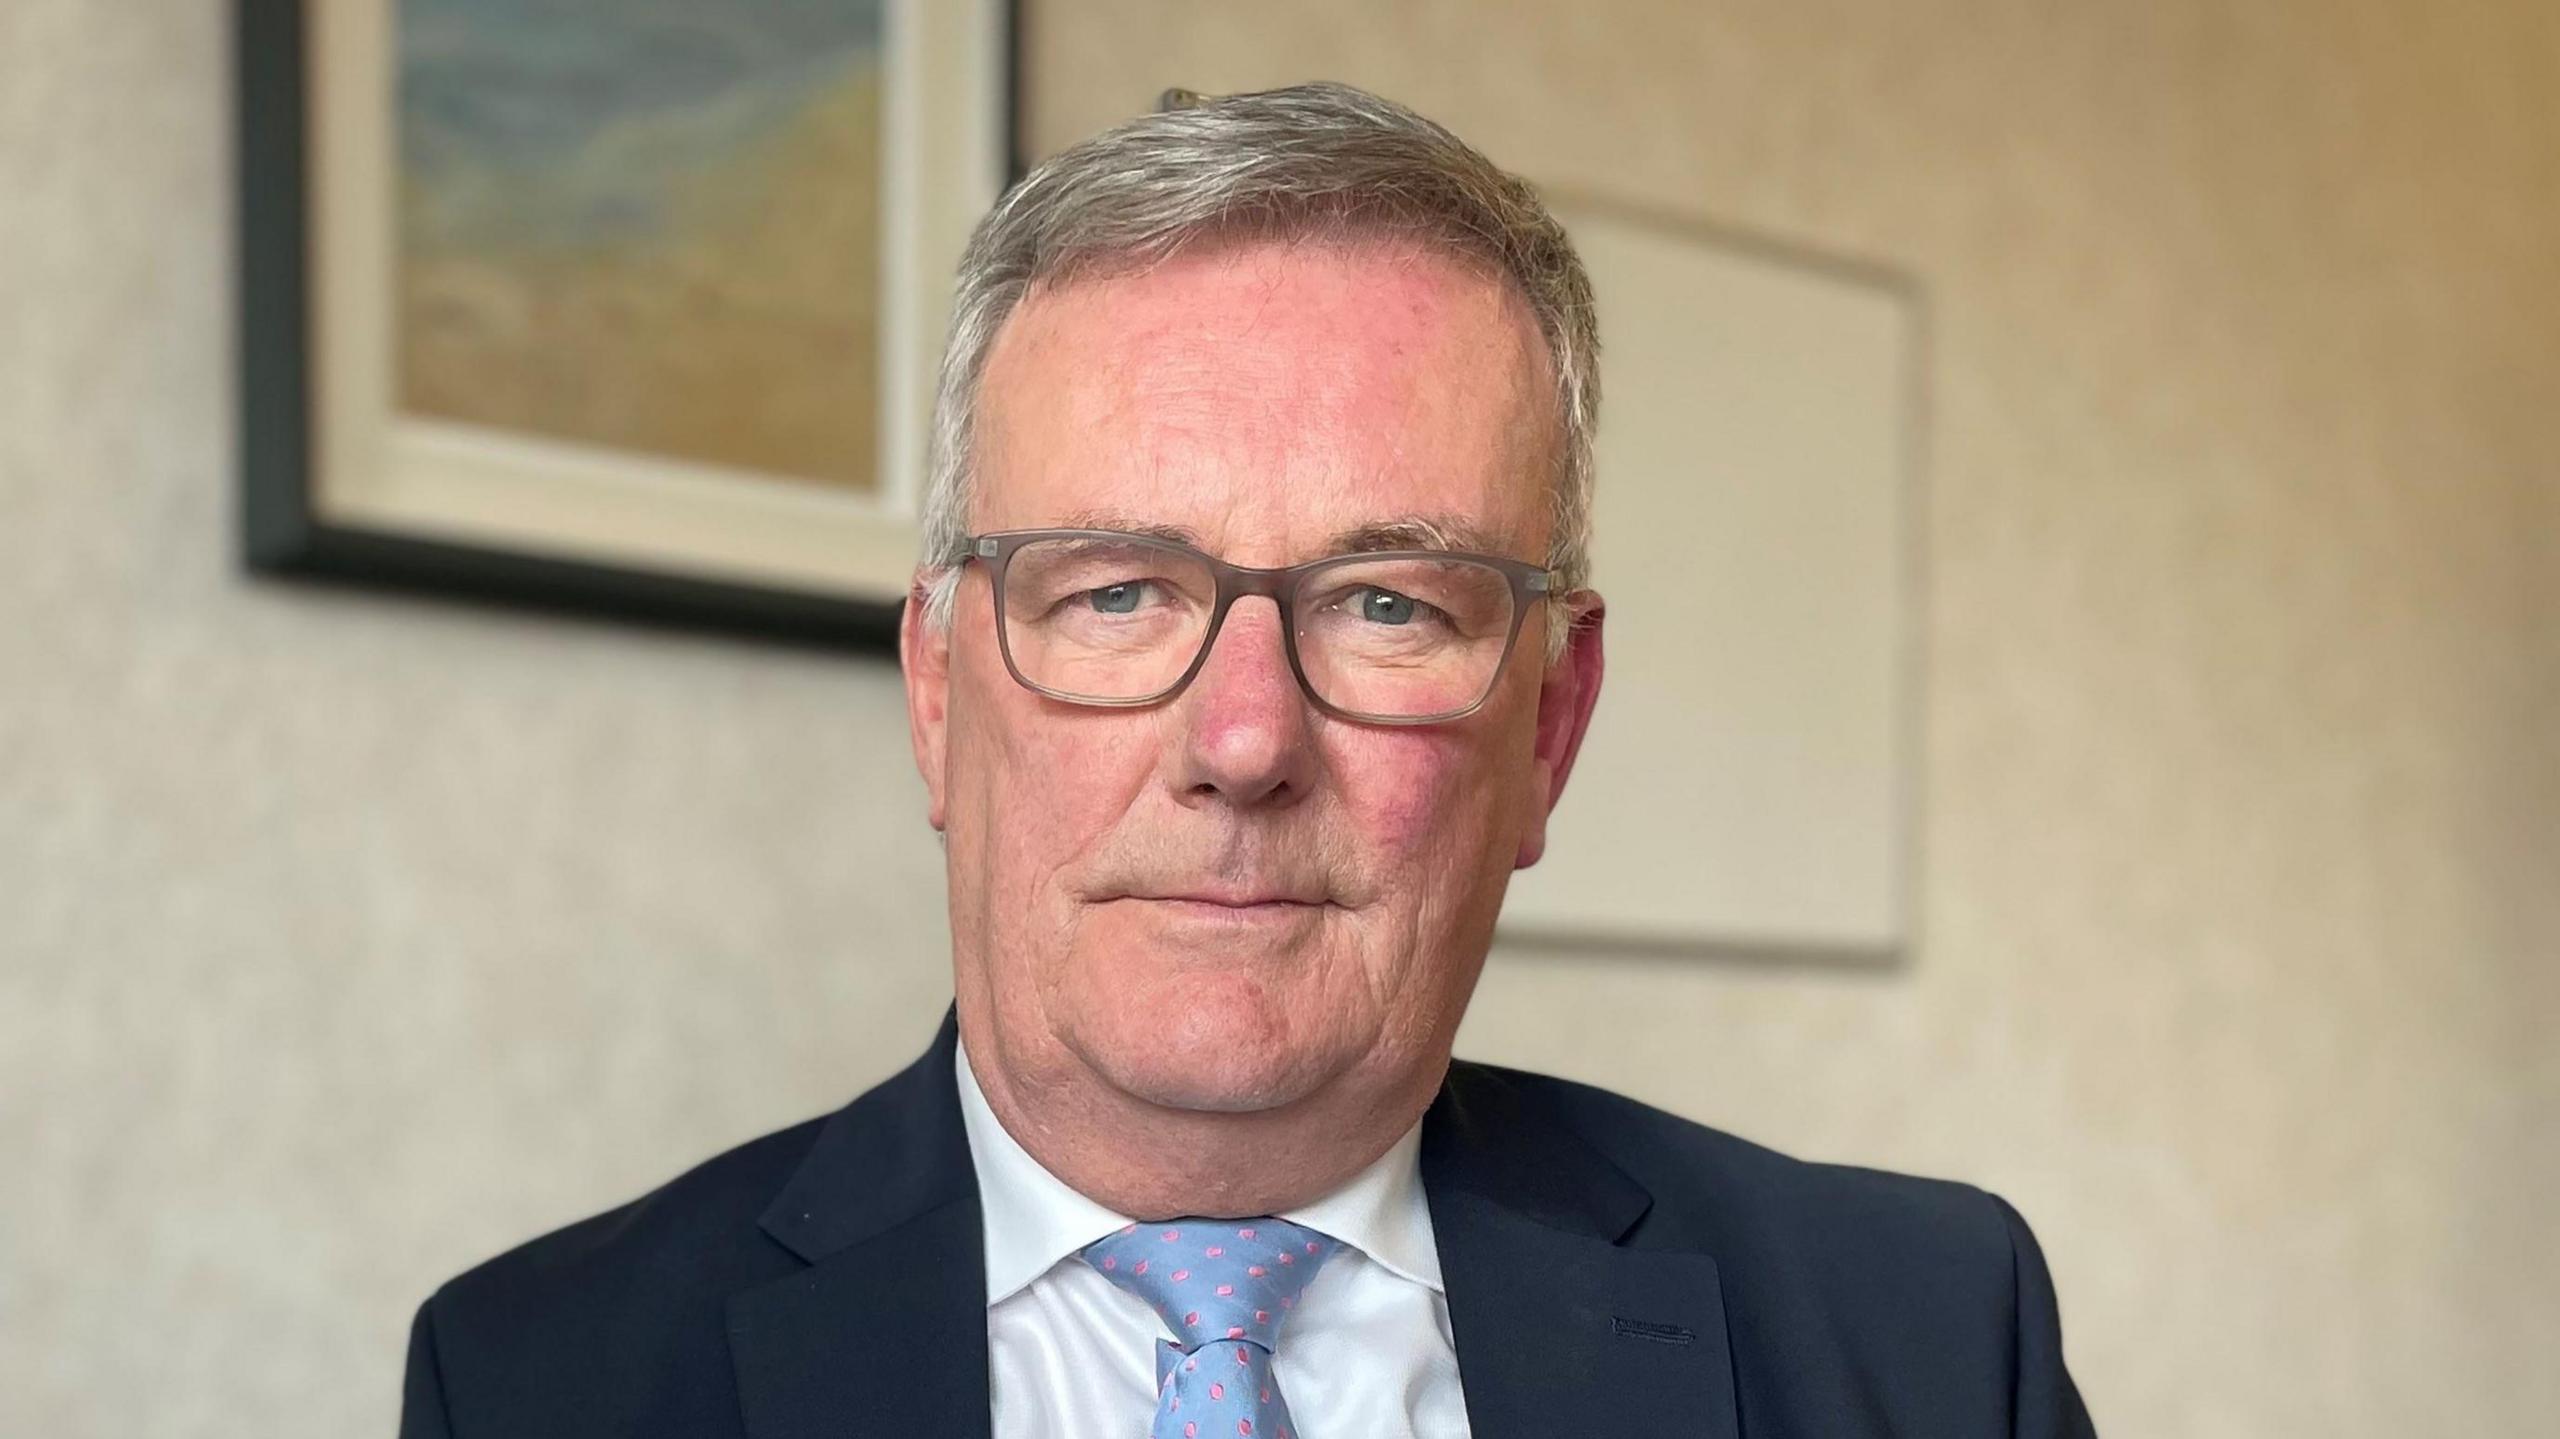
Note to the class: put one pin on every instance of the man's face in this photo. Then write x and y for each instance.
(1267, 400)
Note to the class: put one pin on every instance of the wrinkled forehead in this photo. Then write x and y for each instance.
(1275, 402)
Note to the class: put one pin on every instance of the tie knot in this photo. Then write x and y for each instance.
(1215, 1278)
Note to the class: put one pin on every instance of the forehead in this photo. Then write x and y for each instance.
(1271, 398)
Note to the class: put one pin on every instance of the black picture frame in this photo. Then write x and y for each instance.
(281, 532)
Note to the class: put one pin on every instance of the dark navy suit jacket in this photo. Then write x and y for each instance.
(1611, 1271)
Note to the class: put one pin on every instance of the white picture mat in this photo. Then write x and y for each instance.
(942, 167)
(1747, 780)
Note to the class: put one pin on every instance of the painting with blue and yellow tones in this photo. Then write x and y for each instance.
(648, 225)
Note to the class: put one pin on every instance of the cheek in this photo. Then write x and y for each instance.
(1038, 792)
(1424, 802)
(1401, 792)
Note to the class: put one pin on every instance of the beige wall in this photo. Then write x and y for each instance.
(345, 939)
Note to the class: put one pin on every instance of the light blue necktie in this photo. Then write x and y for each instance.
(1224, 1286)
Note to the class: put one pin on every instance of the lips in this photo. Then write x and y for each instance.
(1224, 911)
(1244, 894)
(1234, 882)
(1233, 899)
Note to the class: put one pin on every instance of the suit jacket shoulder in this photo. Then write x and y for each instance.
(1853, 1294)
(612, 1324)
(1713, 1187)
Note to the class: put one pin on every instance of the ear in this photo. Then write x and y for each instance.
(924, 653)
(1565, 698)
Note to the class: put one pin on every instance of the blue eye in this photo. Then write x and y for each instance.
(1385, 607)
(1119, 599)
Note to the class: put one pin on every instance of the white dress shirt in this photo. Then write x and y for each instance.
(1367, 1354)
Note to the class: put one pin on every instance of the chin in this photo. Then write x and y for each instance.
(1172, 1087)
(1210, 1043)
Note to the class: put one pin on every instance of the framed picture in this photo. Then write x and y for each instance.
(629, 306)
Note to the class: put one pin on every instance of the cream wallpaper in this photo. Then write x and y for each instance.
(346, 939)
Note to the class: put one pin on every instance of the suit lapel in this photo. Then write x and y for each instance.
(1560, 1329)
(886, 1332)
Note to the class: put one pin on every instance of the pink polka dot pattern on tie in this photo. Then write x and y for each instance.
(1223, 1283)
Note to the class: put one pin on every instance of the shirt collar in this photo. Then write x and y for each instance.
(1033, 1218)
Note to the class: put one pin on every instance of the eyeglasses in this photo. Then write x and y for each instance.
(1103, 617)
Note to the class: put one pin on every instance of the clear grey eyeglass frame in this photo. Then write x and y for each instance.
(996, 549)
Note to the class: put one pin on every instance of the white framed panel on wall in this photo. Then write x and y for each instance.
(1747, 783)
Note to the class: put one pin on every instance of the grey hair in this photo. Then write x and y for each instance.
(1319, 161)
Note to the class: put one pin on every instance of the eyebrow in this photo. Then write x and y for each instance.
(1443, 531)
(1109, 519)
(1416, 532)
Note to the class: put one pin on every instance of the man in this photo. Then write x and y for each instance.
(1250, 653)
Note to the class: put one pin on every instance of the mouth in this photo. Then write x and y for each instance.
(1232, 899)
(1229, 906)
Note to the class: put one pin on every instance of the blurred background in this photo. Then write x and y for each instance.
(348, 938)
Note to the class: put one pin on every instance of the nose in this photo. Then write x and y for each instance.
(1247, 733)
